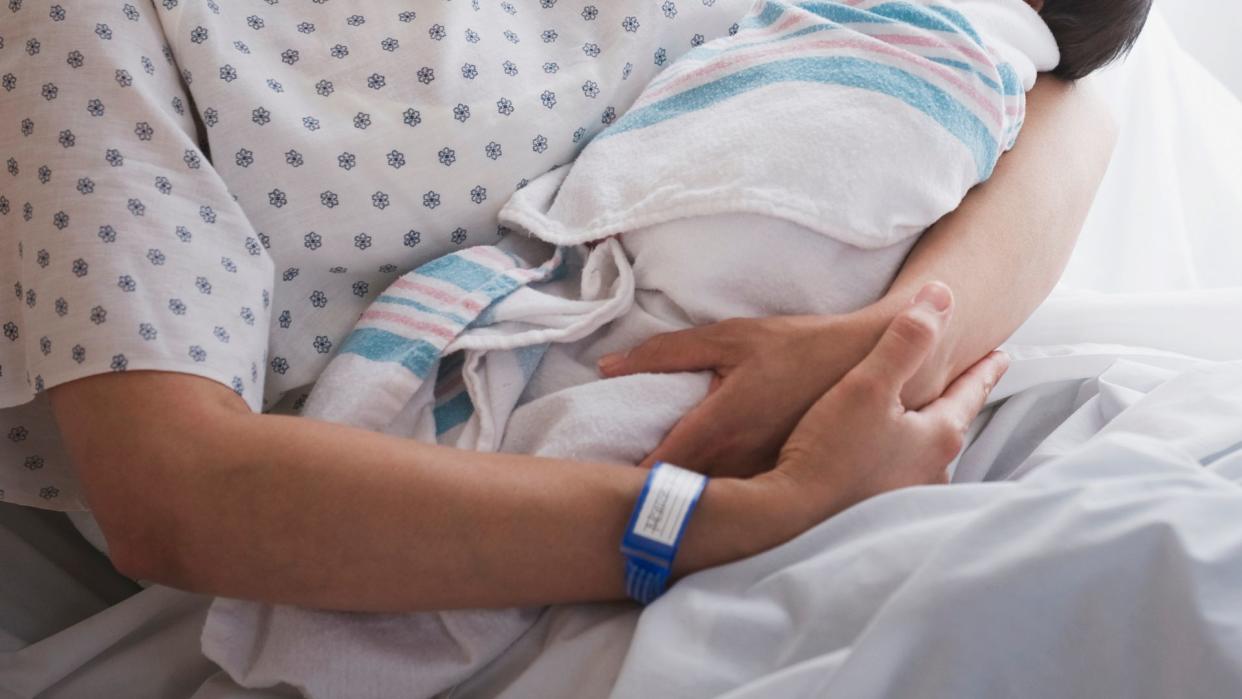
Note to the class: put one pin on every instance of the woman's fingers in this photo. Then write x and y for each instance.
(908, 341)
(688, 443)
(685, 350)
(964, 399)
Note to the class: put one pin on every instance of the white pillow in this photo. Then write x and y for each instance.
(1169, 213)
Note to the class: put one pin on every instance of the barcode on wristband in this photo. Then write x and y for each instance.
(664, 511)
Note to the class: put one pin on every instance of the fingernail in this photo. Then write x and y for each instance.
(935, 296)
(610, 361)
(1005, 360)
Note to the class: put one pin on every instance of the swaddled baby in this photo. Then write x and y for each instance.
(785, 169)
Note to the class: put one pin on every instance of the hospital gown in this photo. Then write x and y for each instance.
(220, 189)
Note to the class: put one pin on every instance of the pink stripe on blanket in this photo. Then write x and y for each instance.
(973, 54)
(760, 35)
(460, 301)
(413, 324)
(719, 68)
(492, 252)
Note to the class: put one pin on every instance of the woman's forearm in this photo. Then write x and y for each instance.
(212, 498)
(193, 490)
(1006, 246)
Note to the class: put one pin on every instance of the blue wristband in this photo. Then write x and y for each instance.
(655, 529)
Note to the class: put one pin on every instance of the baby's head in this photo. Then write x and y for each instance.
(1092, 33)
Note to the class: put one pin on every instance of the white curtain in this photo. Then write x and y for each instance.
(1168, 217)
(1209, 30)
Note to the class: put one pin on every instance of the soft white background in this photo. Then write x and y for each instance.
(1209, 30)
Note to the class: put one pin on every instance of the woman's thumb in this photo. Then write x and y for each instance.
(911, 337)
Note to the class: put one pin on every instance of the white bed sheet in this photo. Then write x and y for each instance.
(1111, 571)
(1157, 282)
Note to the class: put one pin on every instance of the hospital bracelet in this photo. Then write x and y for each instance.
(655, 529)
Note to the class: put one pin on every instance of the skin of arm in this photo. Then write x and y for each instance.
(1002, 251)
(193, 490)
(210, 497)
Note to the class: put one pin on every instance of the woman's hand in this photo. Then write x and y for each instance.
(1013, 233)
(859, 440)
(769, 372)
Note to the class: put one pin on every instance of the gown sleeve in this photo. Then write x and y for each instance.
(123, 250)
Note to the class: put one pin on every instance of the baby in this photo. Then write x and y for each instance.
(1091, 33)
(785, 169)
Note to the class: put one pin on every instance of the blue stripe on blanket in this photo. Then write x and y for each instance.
(458, 409)
(844, 14)
(1003, 68)
(767, 16)
(958, 20)
(499, 286)
(929, 17)
(1009, 87)
(418, 356)
(399, 301)
(496, 290)
(1009, 76)
(840, 70)
(457, 271)
(453, 412)
(529, 358)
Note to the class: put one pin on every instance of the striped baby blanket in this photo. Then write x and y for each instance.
(864, 120)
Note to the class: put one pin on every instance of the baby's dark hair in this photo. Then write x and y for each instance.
(1093, 33)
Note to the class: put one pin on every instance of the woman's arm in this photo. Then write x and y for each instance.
(1004, 249)
(193, 490)
(1002, 252)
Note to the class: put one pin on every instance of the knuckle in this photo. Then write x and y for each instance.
(955, 424)
(949, 441)
(653, 347)
(866, 385)
(914, 329)
(732, 336)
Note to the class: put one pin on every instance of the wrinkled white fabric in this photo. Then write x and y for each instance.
(1109, 571)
